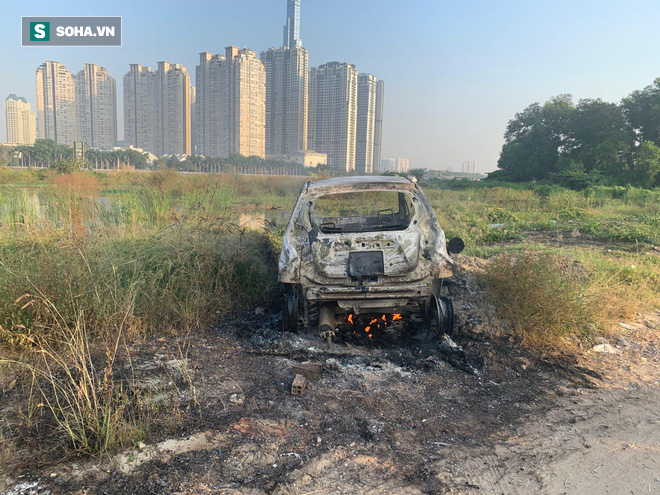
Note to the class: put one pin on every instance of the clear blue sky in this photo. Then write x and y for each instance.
(455, 72)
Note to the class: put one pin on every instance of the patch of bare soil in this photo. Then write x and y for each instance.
(417, 416)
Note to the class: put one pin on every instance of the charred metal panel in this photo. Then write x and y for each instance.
(320, 262)
(365, 263)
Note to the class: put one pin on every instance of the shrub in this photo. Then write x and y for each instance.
(541, 296)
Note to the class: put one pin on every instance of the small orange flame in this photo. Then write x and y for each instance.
(350, 319)
(397, 317)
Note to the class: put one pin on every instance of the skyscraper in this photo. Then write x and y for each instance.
(140, 115)
(333, 113)
(366, 122)
(287, 93)
(231, 104)
(96, 107)
(287, 78)
(378, 126)
(157, 106)
(21, 122)
(56, 103)
(292, 26)
(173, 109)
(210, 110)
(193, 128)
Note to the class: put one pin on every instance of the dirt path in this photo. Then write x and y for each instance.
(411, 417)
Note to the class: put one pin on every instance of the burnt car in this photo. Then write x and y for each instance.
(365, 245)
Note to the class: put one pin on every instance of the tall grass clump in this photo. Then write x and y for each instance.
(554, 299)
(541, 295)
(174, 280)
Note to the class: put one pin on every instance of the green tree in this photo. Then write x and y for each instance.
(642, 111)
(536, 138)
(645, 168)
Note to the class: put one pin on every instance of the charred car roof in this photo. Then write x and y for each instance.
(359, 183)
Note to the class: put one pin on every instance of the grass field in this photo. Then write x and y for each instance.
(89, 261)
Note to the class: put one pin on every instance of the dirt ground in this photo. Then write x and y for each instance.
(413, 416)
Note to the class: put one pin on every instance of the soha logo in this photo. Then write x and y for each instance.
(71, 31)
(40, 31)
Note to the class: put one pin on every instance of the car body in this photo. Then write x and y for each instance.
(361, 245)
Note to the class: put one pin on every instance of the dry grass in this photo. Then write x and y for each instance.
(91, 409)
(77, 185)
(560, 300)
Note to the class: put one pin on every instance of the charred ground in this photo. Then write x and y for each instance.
(411, 416)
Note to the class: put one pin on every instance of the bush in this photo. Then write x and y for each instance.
(541, 296)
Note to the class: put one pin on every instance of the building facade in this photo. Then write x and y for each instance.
(333, 113)
(366, 124)
(287, 79)
(378, 124)
(96, 107)
(292, 26)
(173, 102)
(157, 106)
(56, 103)
(21, 121)
(140, 116)
(231, 104)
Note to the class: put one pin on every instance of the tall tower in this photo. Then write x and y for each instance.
(140, 116)
(287, 96)
(366, 123)
(292, 26)
(231, 104)
(333, 113)
(21, 122)
(378, 125)
(56, 103)
(96, 107)
(173, 109)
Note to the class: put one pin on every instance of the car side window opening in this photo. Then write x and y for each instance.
(362, 211)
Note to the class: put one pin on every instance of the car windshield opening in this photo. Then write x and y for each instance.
(362, 211)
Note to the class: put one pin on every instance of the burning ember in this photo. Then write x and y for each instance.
(367, 327)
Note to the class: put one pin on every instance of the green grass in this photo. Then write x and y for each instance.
(87, 258)
(486, 216)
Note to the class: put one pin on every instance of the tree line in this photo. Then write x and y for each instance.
(589, 143)
(47, 153)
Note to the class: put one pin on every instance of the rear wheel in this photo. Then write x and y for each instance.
(441, 316)
(290, 312)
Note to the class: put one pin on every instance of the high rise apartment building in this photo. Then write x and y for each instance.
(287, 80)
(21, 121)
(157, 106)
(96, 107)
(333, 113)
(400, 165)
(193, 128)
(231, 104)
(469, 167)
(286, 99)
(56, 103)
(378, 125)
(173, 101)
(140, 116)
(366, 123)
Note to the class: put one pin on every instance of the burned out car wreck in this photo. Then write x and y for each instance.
(365, 246)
